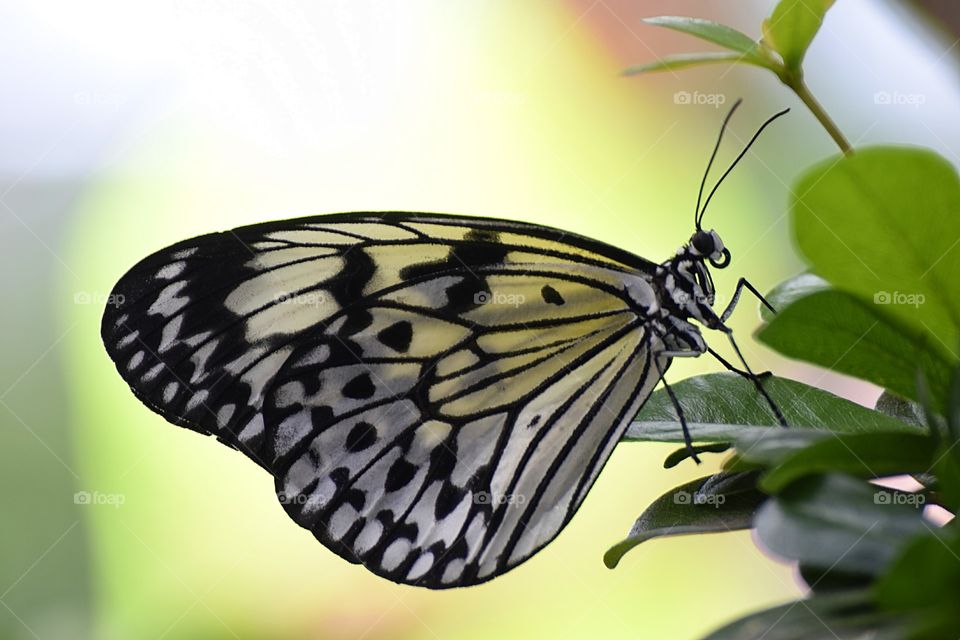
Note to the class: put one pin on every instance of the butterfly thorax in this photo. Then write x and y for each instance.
(686, 291)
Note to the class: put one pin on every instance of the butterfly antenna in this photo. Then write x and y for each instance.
(696, 213)
(737, 160)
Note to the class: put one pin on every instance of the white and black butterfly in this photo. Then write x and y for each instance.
(434, 395)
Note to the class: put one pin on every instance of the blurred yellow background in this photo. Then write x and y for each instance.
(127, 127)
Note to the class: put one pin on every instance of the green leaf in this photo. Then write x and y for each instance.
(792, 26)
(865, 455)
(789, 291)
(682, 60)
(721, 34)
(714, 504)
(722, 406)
(884, 225)
(836, 616)
(771, 446)
(931, 561)
(838, 522)
(840, 332)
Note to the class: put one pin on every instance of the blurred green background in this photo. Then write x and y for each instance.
(128, 126)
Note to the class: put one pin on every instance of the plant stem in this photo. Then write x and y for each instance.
(795, 82)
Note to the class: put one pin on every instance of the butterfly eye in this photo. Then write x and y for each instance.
(703, 242)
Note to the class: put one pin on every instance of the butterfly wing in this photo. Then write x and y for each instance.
(433, 395)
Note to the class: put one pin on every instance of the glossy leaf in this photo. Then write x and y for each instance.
(839, 523)
(714, 504)
(721, 406)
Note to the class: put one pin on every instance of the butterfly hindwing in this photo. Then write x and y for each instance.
(434, 395)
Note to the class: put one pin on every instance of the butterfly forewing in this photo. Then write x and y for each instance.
(434, 395)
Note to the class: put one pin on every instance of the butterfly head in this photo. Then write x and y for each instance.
(707, 245)
(689, 285)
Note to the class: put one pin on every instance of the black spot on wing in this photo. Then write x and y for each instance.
(400, 474)
(355, 322)
(360, 387)
(448, 499)
(469, 293)
(358, 270)
(362, 436)
(397, 336)
(552, 296)
(481, 248)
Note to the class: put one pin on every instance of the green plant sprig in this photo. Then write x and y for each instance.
(787, 34)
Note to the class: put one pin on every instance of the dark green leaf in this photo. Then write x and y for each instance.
(837, 331)
(725, 502)
(884, 224)
(946, 468)
(792, 26)
(770, 446)
(933, 561)
(865, 455)
(838, 522)
(839, 616)
(721, 406)
(682, 60)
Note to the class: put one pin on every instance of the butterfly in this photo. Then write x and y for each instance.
(434, 395)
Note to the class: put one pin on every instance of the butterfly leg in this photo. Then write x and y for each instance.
(740, 372)
(742, 284)
(687, 439)
(755, 379)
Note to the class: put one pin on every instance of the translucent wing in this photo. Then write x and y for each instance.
(433, 395)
